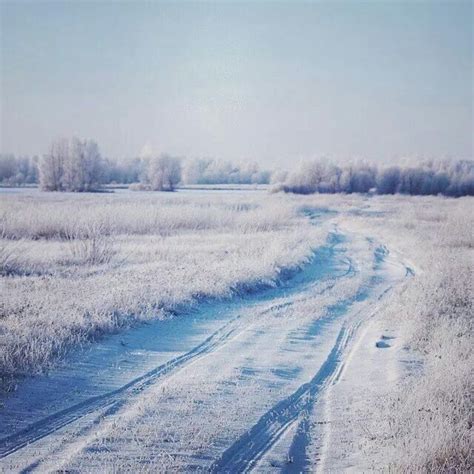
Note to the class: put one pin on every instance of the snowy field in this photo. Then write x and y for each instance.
(230, 331)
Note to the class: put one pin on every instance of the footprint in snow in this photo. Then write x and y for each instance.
(382, 344)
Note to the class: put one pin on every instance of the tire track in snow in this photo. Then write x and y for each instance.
(246, 452)
(297, 457)
(108, 409)
(112, 401)
(116, 397)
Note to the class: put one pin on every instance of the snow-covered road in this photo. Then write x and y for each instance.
(230, 387)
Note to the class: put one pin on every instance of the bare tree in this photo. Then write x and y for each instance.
(164, 173)
(71, 165)
(51, 166)
(73, 174)
(93, 165)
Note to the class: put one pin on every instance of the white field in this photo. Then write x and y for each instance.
(79, 265)
(359, 357)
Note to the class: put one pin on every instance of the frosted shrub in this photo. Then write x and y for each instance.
(91, 243)
(11, 262)
(11, 251)
(163, 173)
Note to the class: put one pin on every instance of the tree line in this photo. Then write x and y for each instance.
(449, 178)
(18, 171)
(77, 165)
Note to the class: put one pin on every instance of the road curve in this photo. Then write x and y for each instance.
(215, 390)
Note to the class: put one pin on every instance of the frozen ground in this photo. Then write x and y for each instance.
(287, 377)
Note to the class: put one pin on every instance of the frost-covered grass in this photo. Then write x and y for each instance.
(429, 423)
(425, 425)
(75, 267)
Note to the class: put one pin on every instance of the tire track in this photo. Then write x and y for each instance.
(116, 397)
(246, 452)
(112, 401)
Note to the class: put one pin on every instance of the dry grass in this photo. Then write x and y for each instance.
(91, 243)
(80, 266)
(88, 265)
(425, 425)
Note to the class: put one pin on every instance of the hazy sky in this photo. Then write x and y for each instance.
(272, 82)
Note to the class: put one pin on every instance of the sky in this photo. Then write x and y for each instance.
(261, 81)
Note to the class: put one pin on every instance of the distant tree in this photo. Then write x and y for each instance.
(7, 167)
(261, 177)
(346, 180)
(446, 177)
(204, 171)
(124, 171)
(33, 173)
(72, 176)
(163, 173)
(71, 165)
(51, 166)
(91, 165)
(18, 171)
(332, 180)
(278, 176)
(363, 179)
(193, 171)
(411, 181)
(440, 183)
(388, 180)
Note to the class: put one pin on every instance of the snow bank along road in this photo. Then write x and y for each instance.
(230, 387)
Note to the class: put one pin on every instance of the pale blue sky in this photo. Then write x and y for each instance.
(272, 82)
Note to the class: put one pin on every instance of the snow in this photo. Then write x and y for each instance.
(217, 390)
(302, 374)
